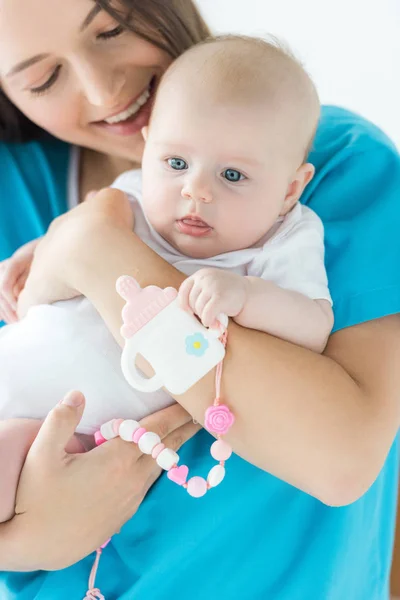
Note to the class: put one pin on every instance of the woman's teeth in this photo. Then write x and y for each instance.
(131, 110)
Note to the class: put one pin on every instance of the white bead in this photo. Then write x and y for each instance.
(148, 441)
(216, 475)
(167, 459)
(127, 429)
(107, 430)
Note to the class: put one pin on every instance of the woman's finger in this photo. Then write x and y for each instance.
(19, 286)
(164, 423)
(167, 420)
(11, 275)
(58, 428)
(174, 440)
(7, 314)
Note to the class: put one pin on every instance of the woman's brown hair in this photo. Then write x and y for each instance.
(172, 25)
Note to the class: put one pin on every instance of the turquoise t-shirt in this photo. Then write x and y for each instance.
(254, 537)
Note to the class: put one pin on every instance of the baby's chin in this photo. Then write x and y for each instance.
(198, 248)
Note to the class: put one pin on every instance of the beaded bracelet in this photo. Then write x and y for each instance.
(217, 420)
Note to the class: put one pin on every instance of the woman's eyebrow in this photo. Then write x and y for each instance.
(93, 13)
(35, 59)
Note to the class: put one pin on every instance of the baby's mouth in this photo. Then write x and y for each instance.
(193, 226)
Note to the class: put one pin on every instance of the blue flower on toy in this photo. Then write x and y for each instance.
(196, 344)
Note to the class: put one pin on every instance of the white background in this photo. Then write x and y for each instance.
(351, 48)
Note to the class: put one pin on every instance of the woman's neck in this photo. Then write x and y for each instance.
(97, 170)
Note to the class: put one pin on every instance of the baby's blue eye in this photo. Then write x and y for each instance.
(178, 164)
(233, 175)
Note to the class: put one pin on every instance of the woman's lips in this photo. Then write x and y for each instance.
(193, 227)
(135, 123)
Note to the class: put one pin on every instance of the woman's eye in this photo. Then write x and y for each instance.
(233, 176)
(41, 89)
(107, 35)
(178, 164)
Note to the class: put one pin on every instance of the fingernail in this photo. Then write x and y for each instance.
(73, 399)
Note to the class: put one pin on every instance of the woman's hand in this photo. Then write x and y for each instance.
(64, 245)
(13, 275)
(68, 505)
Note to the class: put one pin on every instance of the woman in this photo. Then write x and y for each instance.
(320, 428)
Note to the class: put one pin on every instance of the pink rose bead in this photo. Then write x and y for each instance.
(219, 419)
(197, 487)
(138, 434)
(220, 450)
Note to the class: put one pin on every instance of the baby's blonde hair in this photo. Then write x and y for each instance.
(234, 69)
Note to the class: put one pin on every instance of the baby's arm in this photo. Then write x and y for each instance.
(258, 304)
(286, 314)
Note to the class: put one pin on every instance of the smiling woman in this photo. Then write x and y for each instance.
(93, 85)
(311, 431)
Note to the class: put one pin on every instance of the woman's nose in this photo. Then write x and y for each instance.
(102, 86)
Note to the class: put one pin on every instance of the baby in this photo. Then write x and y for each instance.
(223, 169)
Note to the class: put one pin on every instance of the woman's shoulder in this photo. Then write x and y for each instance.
(33, 189)
(355, 192)
(343, 131)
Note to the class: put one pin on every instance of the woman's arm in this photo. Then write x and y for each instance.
(322, 423)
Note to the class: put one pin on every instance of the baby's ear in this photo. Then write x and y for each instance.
(301, 179)
(145, 132)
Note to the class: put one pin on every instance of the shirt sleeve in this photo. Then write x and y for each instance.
(33, 190)
(294, 259)
(357, 195)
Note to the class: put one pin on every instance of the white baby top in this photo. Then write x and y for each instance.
(291, 254)
(65, 346)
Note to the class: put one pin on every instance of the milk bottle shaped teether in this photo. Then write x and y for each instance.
(178, 347)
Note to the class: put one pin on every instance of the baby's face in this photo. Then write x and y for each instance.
(214, 177)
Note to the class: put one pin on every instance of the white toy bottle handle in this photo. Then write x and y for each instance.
(134, 377)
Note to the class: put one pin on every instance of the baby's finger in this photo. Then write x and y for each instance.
(210, 312)
(202, 301)
(184, 292)
(194, 294)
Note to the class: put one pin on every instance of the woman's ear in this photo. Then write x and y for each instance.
(145, 131)
(302, 178)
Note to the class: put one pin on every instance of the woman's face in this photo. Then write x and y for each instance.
(74, 71)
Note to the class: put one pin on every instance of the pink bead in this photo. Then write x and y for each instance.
(219, 419)
(116, 425)
(157, 449)
(197, 487)
(138, 434)
(98, 438)
(220, 450)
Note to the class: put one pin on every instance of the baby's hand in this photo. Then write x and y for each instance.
(13, 275)
(210, 292)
